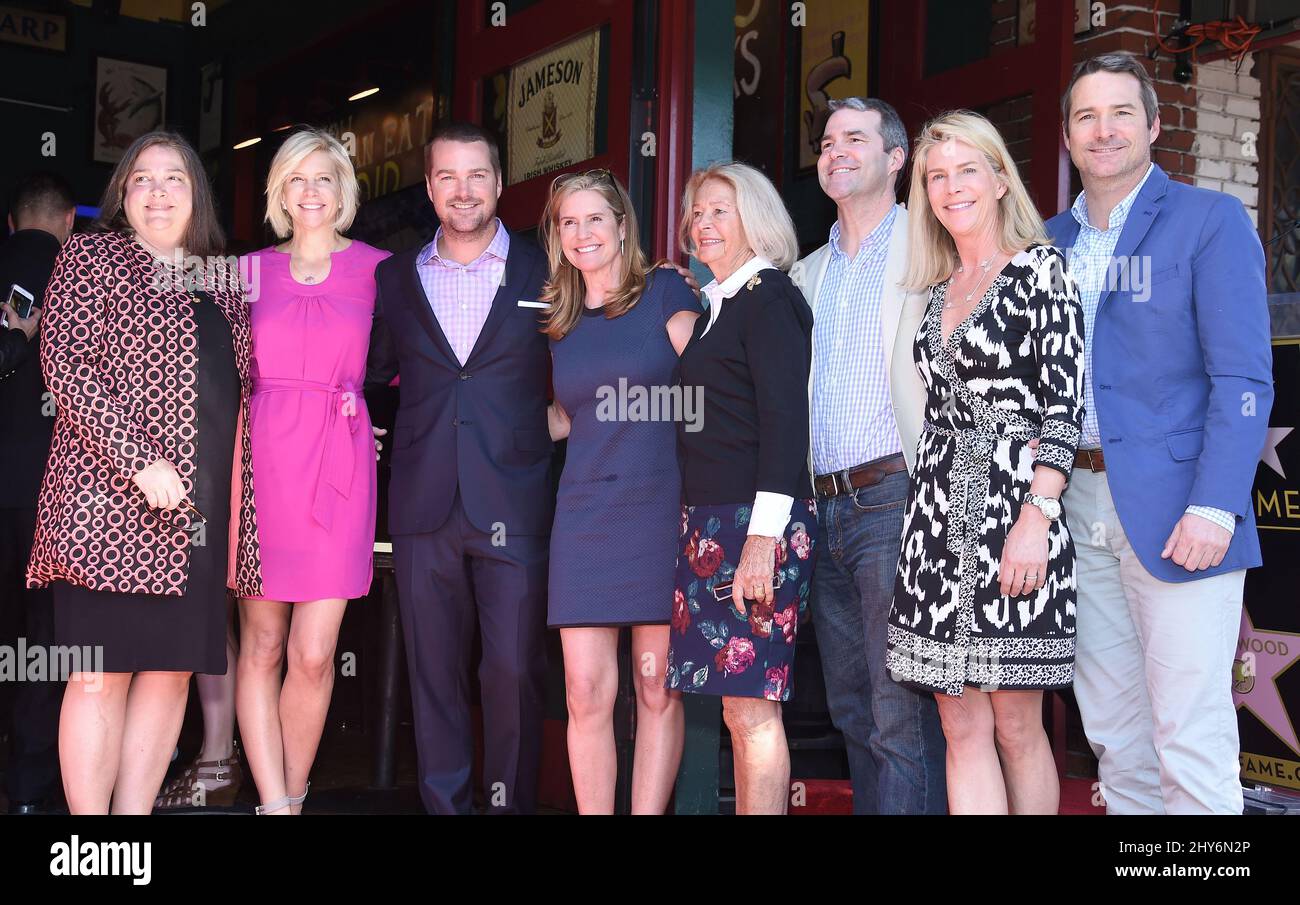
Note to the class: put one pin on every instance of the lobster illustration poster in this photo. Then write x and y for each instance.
(832, 64)
(130, 100)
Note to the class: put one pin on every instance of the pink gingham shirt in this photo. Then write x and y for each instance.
(461, 294)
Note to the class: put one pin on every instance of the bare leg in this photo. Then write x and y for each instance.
(975, 784)
(155, 709)
(217, 699)
(590, 688)
(308, 685)
(762, 758)
(91, 723)
(1032, 784)
(264, 630)
(660, 723)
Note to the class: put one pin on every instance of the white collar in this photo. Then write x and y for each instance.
(715, 292)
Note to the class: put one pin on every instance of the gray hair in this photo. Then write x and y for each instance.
(892, 133)
(1122, 63)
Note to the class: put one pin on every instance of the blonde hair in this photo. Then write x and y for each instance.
(932, 253)
(766, 223)
(296, 148)
(566, 289)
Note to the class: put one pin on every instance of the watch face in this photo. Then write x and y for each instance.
(1051, 508)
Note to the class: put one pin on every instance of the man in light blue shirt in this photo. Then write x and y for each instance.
(867, 405)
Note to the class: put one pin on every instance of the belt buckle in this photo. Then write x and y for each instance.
(848, 483)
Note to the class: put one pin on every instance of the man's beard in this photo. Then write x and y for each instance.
(482, 225)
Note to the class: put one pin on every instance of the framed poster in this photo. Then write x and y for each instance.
(551, 104)
(832, 64)
(130, 100)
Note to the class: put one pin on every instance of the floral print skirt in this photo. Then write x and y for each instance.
(713, 649)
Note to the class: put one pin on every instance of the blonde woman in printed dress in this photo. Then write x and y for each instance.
(984, 601)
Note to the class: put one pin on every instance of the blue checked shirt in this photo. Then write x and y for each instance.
(1091, 264)
(852, 416)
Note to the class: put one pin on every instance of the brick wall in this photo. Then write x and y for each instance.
(1227, 109)
(1129, 27)
(1202, 124)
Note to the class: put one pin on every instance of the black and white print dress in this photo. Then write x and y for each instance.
(1010, 372)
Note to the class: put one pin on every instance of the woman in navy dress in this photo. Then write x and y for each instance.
(616, 331)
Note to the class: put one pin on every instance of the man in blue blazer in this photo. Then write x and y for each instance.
(471, 500)
(1178, 394)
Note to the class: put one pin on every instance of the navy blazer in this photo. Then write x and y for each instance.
(1183, 379)
(481, 427)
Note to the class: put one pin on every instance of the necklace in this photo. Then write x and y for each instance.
(984, 267)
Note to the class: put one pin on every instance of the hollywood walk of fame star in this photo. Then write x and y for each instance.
(1261, 697)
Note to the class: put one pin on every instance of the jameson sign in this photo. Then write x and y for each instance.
(552, 104)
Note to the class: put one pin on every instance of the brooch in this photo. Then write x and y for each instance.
(753, 281)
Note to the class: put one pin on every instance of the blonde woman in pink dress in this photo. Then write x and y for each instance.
(311, 300)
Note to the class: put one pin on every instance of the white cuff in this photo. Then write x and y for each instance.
(1221, 517)
(770, 515)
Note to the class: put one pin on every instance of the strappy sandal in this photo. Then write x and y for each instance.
(194, 788)
(281, 803)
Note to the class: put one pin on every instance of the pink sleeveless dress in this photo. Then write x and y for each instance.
(313, 451)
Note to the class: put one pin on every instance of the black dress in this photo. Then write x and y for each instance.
(155, 632)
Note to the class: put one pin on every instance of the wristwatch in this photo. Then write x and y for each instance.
(1050, 507)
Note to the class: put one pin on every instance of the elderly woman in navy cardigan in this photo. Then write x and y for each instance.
(745, 556)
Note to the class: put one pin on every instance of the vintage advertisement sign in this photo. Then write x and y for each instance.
(1265, 674)
(551, 121)
(833, 64)
(23, 26)
(386, 140)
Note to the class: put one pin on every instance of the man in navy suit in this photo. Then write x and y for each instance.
(471, 501)
(1178, 394)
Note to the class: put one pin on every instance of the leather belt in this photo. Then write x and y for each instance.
(867, 475)
(1090, 459)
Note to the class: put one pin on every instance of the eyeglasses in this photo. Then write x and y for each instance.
(192, 525)
(565, 178)
(723, 591)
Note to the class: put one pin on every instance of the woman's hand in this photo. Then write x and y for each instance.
(753, 578)
(161, 485)
(685, 273)
(378, 432)
(1024, 556)
(557, 421)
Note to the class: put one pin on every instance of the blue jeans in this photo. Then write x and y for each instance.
(892, 734)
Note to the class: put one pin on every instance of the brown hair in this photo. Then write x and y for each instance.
(203, 236)
(1120, 62)
(465, 133)
(566, 290)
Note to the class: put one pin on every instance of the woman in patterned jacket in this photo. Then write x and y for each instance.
(145, 351)
(984, 601)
